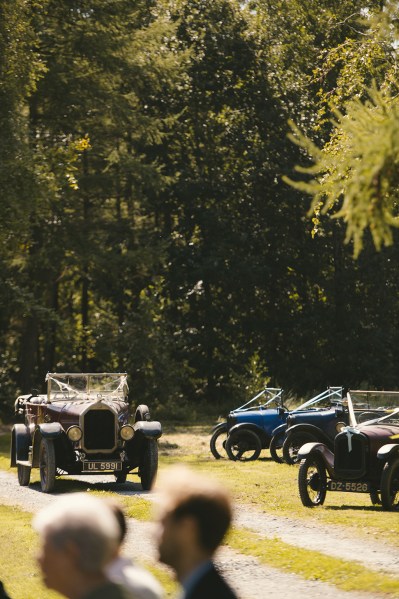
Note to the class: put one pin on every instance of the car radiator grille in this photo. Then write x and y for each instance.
(99, 430)
(350, 454)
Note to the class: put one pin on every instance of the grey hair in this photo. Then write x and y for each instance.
(87, 522)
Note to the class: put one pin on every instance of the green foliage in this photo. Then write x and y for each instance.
(356, 172)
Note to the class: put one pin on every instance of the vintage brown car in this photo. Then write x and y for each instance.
(82, 425)
(364, 459)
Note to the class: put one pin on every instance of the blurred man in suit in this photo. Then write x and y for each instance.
(194, 516)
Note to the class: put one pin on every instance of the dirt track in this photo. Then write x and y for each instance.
(251, 579)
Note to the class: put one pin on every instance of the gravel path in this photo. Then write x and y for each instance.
(251, 579)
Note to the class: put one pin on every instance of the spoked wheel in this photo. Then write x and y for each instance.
(217, 443)
(292, 445)
(276, 447)
(23, 475)
(312, 481)
(148, 464)
(47, 465)
(243, 445)
(390, 485)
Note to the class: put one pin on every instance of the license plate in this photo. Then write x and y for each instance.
(349, 487)
(101, 466)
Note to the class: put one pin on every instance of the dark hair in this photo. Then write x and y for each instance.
(212, 512)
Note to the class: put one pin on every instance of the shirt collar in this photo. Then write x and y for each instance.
(191, 580)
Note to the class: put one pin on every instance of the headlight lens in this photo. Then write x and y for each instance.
(339, 426)
(74, 433)
(127, 432)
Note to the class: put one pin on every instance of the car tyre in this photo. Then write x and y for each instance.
(23, 475)
(292, 444)
(148, 464)
(375, 497)
(312, 481)
(276, 447)
(120, 477)
(218, 441)
(390, 485)
(47, 465)
(243, 445)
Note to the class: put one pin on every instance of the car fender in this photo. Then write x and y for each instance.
(265, 439)
(150, 429)
(322, 450)
(20, 443)
(48, 430)
(220, 426)
(279, 429)
(313, 430)
(387, 451)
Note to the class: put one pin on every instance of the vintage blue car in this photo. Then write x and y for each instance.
(250, 428)
(265, 408)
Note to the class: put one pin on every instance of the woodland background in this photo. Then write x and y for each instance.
(147, 224)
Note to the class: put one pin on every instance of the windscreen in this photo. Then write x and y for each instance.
(72, 387)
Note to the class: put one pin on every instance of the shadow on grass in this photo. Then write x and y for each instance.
(355, 508)
(70, 485)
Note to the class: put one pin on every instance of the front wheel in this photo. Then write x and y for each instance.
(23, 475)
(312, 481)
(148, 464)
(390, 485)
(243, 445)
(292, 444)
(47, 465)
(217, 443)
(276, 447)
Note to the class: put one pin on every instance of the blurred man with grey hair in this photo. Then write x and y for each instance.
(79, 536)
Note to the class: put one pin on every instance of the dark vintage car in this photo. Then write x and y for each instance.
(82, 426)
(364, 459)
(322, 425)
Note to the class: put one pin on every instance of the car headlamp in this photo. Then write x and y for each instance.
(339, 426)
(74, 433)
(127, 432)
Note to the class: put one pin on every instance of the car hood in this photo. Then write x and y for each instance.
(69, 412)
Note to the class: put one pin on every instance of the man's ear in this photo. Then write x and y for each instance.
(189, 530)
(72, 553)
